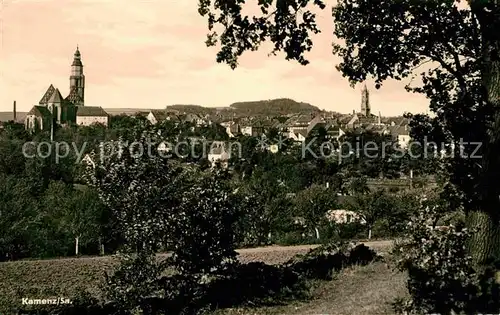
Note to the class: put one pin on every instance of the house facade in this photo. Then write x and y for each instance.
(218, 153)
(87, 116)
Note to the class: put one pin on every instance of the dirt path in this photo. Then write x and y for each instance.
(366, 290)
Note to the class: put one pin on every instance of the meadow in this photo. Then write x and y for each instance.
(355, 290)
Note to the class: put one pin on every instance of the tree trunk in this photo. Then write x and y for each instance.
(485, 243)
(76, 245)
(317, 232)
(101, 247)
(369, 233)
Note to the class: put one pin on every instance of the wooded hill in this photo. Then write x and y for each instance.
(274, 107)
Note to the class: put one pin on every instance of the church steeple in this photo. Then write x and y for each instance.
(77, 80)
(365, 101)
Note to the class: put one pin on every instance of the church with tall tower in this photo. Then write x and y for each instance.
(53, 108)
(77, 81)
(365, 116)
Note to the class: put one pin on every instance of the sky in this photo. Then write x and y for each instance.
(152, 53)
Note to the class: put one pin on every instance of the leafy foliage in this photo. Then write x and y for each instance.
(442, 278)
(139, 189)
(285, 23)
(202, 231)
(134, 281)
(313, 203)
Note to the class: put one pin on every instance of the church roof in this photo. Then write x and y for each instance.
(345, 119)
(40, 111)
(56, 97)
(47, 94)
(73, 96)
(90, 111)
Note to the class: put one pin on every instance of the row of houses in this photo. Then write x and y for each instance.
(158, 115)
(299, 128)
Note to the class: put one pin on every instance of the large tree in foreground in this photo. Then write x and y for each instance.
(458, 42)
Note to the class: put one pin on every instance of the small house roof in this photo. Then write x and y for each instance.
(40, 111)
(95, 111)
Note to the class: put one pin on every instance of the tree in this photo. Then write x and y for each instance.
(13, 130)
(376, 155)
(263, 206)
(356, 185)
(139, 190)
(20, 219)
(313, 203)
(161, 204)
(82, 218)
(389, 40)
(202, 233)
(372, 207)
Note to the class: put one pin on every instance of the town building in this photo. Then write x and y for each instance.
(218, 153)
(53, 108)
(90, 115)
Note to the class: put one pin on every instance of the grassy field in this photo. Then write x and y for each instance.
(357, 290)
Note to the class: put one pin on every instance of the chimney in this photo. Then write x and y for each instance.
(379, 118)
(14, 112)
(353, 112)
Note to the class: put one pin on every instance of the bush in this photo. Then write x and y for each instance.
(321, 262)
(291, 238)
(257, 283)
(202, 235)
(135, 279)
(351, 231)
(441, 275)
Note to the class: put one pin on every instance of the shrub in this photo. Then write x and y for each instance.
(351, 230)
(135, 280)
(257, 283)
(292, 238)
(321, 262)
(441, 275)
(202, 235)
